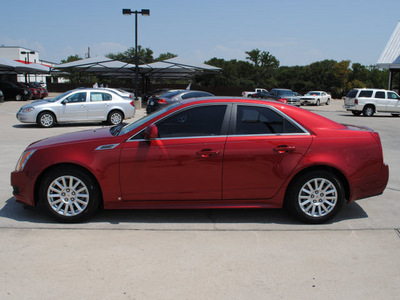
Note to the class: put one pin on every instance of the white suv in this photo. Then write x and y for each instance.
(370, 101)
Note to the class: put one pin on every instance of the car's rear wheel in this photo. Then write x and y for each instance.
(46, 120)
(69, 194)
(356, 112)
(315, 197)
(115, 117)
(368, 111)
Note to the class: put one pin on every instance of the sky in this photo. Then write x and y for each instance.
(296, 32)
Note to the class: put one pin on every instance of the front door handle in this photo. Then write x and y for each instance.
(207, 153)
(284, 148)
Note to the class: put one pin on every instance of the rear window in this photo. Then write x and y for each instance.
(352, 94)
(365, 94)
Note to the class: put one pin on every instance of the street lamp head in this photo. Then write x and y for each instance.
(145, 12)
(126, 11)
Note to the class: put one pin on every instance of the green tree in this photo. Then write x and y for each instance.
(145, 55)
(265, 65)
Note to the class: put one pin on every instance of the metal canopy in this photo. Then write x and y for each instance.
(175, 68)
(390, 57)
(168, 69)
(97, 65)
(9, 66)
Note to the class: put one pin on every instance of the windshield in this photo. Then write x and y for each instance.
(313, 94)
(285, 93)
(59, 97)
(147, 118)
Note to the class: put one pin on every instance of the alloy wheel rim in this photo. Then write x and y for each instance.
(116, 119)
(318, 197)
(68, 196)
(46, 120)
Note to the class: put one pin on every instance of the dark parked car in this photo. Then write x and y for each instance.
(1, 96)
(157, 102)
(13, 91)
(284, 94)
(36, 93)
(206, 153)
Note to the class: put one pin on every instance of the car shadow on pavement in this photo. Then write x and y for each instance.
(20, 213)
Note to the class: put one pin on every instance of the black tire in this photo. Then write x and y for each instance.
(115, 117)
(19, 97)
(356, 112)
(69, 194)
(306, 201)
(368, 111)
(318, 102)
(328, 101)
(46, 119)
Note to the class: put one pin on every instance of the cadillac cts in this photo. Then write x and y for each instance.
(206, 153)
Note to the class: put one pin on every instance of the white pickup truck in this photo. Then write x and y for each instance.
(370, 101)
(251, 94)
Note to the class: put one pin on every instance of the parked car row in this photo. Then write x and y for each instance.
(23, 91)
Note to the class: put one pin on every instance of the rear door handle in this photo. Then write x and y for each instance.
(207, 153)
(284, 148)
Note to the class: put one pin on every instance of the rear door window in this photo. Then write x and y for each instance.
(380, 95)
(260, 120)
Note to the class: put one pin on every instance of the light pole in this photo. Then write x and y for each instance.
(144, 12)
(27, 56)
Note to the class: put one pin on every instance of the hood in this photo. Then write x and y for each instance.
(73, 137)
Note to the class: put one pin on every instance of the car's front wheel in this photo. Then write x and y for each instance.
(69, 194)
(18, 97)
(115, 117)
(328, 101)
(318, 102)
(315, 197)
(46, 120)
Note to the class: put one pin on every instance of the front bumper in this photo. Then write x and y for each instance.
(22, 188)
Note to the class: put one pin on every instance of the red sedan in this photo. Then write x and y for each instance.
(206, 153)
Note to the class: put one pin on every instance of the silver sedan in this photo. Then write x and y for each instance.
(79, 105)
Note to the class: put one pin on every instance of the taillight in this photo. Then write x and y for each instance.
(355, 101)
(162, 101)
(133, 104)
(282, 100)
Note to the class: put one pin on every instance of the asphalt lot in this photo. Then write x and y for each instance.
(200, 254)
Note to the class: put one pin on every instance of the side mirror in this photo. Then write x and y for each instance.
(150, 132)
(65, 101)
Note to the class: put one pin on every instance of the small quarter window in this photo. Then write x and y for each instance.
(365, 94)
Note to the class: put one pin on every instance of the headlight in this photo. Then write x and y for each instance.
(24, 159)
(27, 109)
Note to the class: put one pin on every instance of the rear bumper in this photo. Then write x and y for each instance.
(372, 185)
